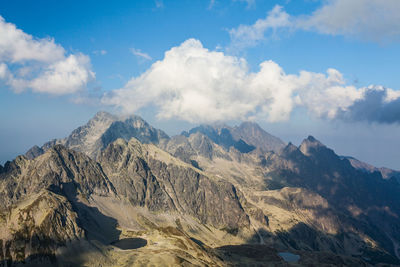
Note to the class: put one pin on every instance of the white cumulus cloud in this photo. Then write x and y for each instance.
(195, 84)
(39, 64)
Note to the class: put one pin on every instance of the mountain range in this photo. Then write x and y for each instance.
(119, 192)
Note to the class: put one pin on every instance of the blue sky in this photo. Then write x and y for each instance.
(101, 48)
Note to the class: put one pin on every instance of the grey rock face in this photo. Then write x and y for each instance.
(52, 170)
(38, 203)
(147, 181)
(34, 152)
(133, 126)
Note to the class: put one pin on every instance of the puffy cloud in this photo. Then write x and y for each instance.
(17, 46)
(373, 20)
(65, 76)
(39, 64)
(195, 84)
(325, 95)
(138, 53)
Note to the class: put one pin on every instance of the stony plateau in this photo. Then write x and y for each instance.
(118, 192)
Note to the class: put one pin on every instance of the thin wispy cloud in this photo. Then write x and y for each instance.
(142, 55)
(211, 4)
(195, 84)
(250, 3)
(40, 65)
(159, 3)
(100, 52)
(250, 35)
(370, 20)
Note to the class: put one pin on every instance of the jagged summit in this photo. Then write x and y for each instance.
(368, 168)
(253, 134)
(34, 152)
(100, 131)
(310, 145)
(245, 137)
(289, 148)
(100, 115)
(311, 138)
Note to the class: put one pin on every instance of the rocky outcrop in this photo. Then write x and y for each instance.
(132, 127)
(39, 207)
(34, 152)
(152, 178)
(53, 170)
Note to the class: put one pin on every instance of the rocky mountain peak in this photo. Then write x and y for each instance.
(132, 126)
(245, 138)
(100, 131)
(310, 145)
(34, 152)
(253, 134)
(250, 125)
(103, 115)
(290, 148)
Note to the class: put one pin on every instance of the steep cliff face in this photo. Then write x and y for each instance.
(152, 178)
(39, 203)
(52, 170)
(133, 126)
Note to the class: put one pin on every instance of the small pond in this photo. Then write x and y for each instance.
(289, 257)
(130, 243)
